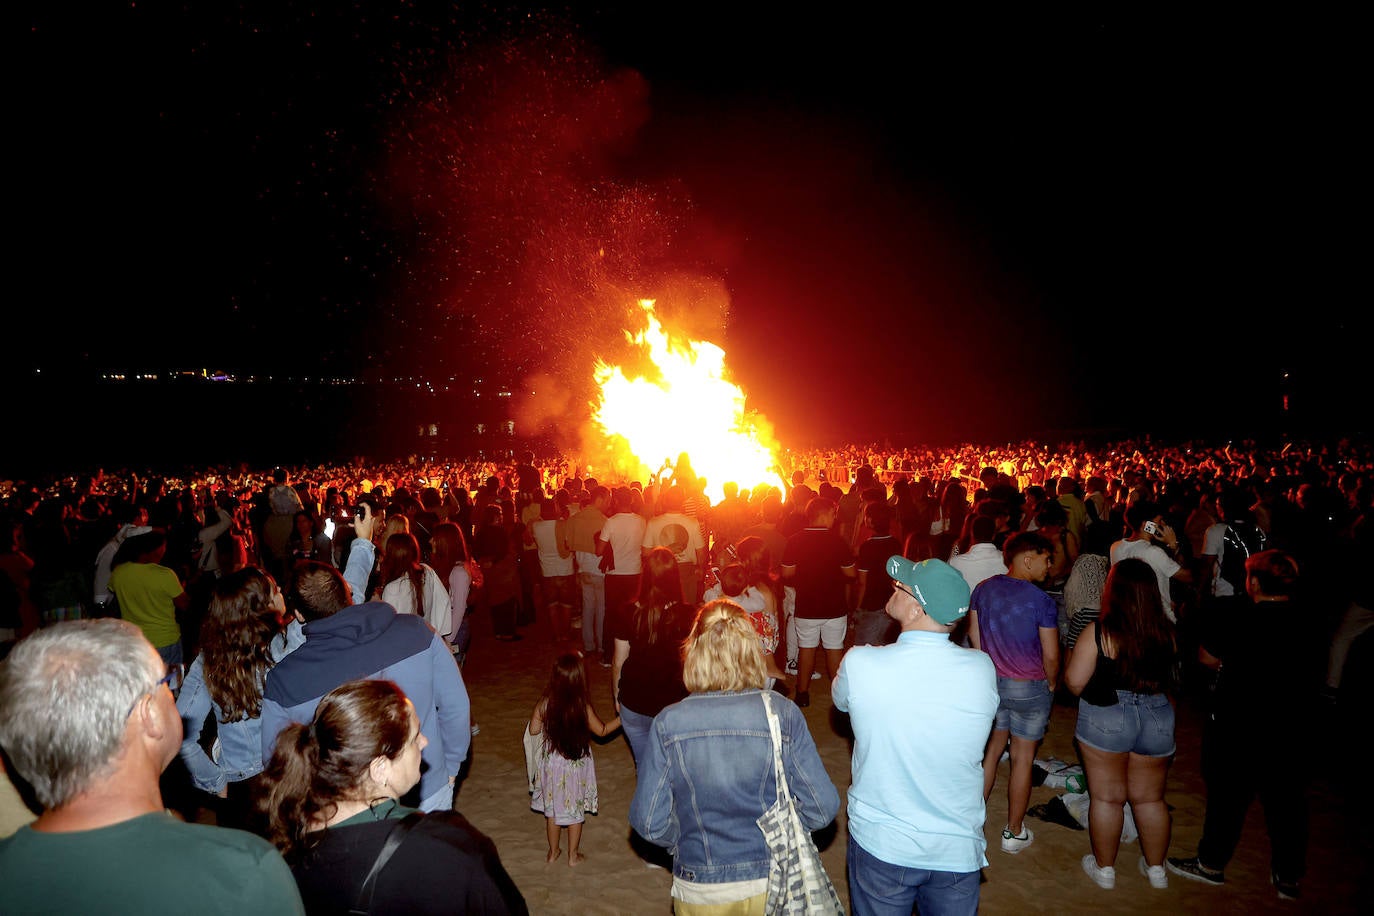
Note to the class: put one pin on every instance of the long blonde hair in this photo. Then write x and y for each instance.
(722, 652)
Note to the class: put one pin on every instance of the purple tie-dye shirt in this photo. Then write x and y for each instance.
(1011, 613)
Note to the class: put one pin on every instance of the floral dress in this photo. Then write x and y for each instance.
(562, 789)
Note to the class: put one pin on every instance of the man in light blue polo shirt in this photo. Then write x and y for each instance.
(921, 709)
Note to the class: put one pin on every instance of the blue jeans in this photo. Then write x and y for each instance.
(171, 654)
(441, 800)
(593, 605)
(878, 888)
(636, 729)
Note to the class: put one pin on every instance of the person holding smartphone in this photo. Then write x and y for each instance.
(368, 520)
(1150, 538)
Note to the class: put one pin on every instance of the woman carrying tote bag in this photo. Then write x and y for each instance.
(707, 775)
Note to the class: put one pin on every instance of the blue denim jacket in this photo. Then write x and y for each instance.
(707, 776)
(239, 754)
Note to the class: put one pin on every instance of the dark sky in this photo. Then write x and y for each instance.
(897, 223)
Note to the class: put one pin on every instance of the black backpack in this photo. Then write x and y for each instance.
(1242, 540)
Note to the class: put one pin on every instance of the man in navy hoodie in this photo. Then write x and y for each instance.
(346, 641)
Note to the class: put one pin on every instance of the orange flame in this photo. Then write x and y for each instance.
(690, 407)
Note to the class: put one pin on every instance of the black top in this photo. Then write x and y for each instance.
(819, 555)
(873, 554)
(652, 675)
(1266, 669)
(443, 866)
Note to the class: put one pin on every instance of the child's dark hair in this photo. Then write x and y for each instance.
(565, 712)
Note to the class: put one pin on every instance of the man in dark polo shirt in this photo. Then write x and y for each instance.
(817, 562)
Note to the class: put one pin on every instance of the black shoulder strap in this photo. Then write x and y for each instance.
(393, 842)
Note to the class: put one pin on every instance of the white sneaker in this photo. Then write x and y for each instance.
(1104, 878)
(1157, 874)
(1012, 843)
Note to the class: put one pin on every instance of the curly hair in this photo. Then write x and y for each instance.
(237, 647)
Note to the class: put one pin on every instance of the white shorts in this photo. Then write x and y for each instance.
(828, 632)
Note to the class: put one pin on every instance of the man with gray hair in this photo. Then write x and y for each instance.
(88, 720)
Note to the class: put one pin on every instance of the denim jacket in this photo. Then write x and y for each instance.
(238, 750)
(707, 776)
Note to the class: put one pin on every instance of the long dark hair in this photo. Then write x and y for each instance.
(239, 628)
(316, 766)
(1133, 621)
(402, 561)
(662, 589)
(565, 709)
(447, 548)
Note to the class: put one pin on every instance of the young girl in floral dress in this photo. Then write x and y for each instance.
(564, 785)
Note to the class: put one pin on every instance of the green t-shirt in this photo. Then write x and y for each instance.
(146, 592)
(147, 865)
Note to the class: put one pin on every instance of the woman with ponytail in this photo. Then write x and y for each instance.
(331, 798)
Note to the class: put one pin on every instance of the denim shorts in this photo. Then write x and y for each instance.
(1024, 709)
(1139, 723)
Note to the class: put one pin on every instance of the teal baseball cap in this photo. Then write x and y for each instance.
(940, 588)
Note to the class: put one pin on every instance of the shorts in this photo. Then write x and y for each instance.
(828, 632)
(562, 590)
(1139, 723)
(1024, 709)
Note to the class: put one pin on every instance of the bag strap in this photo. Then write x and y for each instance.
(393, 842)
(775, 735)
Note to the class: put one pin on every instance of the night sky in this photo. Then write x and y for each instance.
(898, 224)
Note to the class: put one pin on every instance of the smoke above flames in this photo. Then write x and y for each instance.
(534, 253)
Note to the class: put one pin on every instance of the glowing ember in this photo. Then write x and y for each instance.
(689, 407)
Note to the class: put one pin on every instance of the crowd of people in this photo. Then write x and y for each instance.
(996, 580)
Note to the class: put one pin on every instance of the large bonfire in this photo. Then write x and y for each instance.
(682, 403)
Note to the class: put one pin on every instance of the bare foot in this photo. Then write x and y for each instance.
(553, 855)
(575, 859)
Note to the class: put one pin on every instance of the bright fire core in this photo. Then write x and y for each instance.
(690, 406)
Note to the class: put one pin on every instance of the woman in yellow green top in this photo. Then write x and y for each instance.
(150, 594)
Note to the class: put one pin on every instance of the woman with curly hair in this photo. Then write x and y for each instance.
(247, 630)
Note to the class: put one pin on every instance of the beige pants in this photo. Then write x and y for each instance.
(751, 906)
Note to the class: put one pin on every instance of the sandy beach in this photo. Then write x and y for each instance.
(504, 681)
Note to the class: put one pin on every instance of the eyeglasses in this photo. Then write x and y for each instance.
(172, 678)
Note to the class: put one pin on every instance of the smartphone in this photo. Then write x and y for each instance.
(1152, 529)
